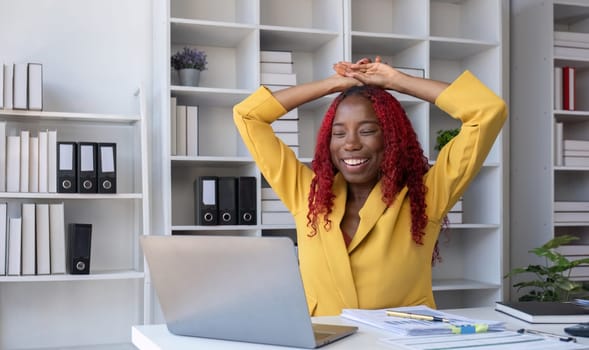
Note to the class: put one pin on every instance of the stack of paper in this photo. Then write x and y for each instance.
(409, 326)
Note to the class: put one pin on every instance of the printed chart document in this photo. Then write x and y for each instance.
(410, 326)
(481, 341)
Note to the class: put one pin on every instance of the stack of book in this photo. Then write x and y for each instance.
(570, 45)
(575, 252)
(571, 212)
(274, 212)
(28, 162)
(576, 153)
(21, 86)
(276, 70)
(33, 243)
(183, 128)
(455, 214)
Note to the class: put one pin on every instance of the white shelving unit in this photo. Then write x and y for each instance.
(536, 181)
(443, 38)
(57, 311)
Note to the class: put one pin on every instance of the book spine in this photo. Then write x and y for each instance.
(568, 81)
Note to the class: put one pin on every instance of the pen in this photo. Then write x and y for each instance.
(416, 316)
(547, 334)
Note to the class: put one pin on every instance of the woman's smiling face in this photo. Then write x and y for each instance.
(357, 145)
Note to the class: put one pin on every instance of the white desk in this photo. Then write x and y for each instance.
(157, 337)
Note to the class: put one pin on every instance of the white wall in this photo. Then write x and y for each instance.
(95, 54)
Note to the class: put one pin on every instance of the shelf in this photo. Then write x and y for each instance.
(83, 196)
(208, 33)
(181, 161)
(17, 115)
(93, 276)
(459, 284)
(204, 96)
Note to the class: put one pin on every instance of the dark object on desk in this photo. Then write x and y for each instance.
(547, 335)
(236, 288)
(578, 330)
(544, 311)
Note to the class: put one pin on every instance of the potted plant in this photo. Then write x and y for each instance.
(551, 281)
(189, 63)
(444, 136)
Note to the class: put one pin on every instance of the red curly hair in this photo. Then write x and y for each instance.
(404, 162)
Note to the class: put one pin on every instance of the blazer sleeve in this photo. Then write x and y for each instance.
(482, 114)
(289, 178)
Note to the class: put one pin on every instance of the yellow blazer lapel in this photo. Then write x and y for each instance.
(335, 248)
(371, 212)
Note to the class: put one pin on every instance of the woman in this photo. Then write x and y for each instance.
(369, 213)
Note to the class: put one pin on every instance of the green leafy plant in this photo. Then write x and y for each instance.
(551, 281)
(444, 136)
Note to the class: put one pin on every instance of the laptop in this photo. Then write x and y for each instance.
(235, 288)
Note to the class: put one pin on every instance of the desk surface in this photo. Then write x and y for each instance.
(157, 337)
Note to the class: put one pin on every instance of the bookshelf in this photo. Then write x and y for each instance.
(64, 310)
(537, 152)
(451, 37)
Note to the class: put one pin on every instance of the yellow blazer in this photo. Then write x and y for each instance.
(382, 266)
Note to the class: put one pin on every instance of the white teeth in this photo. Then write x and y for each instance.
(355, 161)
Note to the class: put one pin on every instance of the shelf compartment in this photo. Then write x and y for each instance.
(466, 19)
(233, 11)
(309, 14)
(17, 116)
(389, 16)
(93, 276)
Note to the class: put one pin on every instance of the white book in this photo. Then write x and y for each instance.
(42, 234)
(1, 87)
(3, 238)
(277, 218)
(282, 125)
(35, 86)
(457, 207)
(579, 145)
(43, 158)
(571, 43)
(576, 161)
(558, 88)
(454, 217)
(573, 249)
(276, 56)
(571, 206)
(276, 67)
(571, 36)
(173, 103)
(29, 251)
(571, 52)
(14, 246)
(2, 156)
(292, 114)
(570, 216)
(576, 153)
(192, 130)
(274, 88)
(268, 193)
(20, 86)
(24, 160)
(12, 163)
(52, 161)
(8, 85)
(278, 79)
(580, 271)
(289, 138)
(57, 238)
(558, 144)
(273, 205)
(34, 164)
(180, 130)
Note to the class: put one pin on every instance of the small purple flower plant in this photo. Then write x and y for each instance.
(189, 58)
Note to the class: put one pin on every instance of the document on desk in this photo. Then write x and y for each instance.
(508, 340)
(415, 321)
